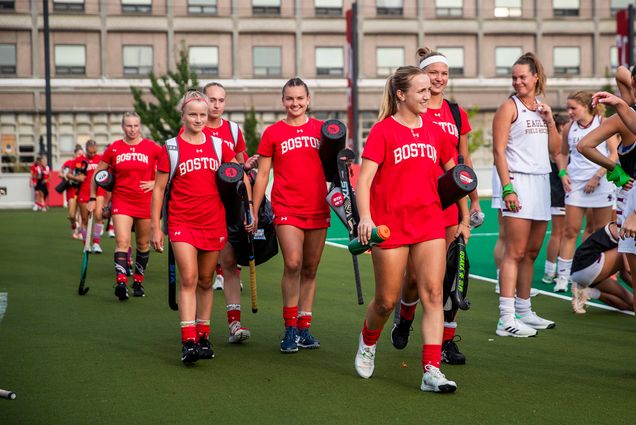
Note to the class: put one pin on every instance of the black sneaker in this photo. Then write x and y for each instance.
(138, 290)
(190, 352)
(400, 333)
(205, 348)
(121, 291)
(451, 353)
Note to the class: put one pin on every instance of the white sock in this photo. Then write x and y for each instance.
(564, 268)
(550, 268)
(497, 275)
(450, 325)
(593, 293)
(522, 306)
(506, 308)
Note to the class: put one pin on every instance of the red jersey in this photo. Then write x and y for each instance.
(404, 190)
(299, 187)
(85, 187)
(224, 133)
(194, 198)
(35, 172)
(130, 165)
(67, 166)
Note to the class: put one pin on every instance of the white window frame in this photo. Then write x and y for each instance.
(136, 69)
(455, 66)
(136, 6)
(563, 8)
(328, 7)
(10, 67)
(334, 61)
(72, 67)
(267, 70)
(561, 66)
(449, 8)
(206, 61)
(389, 7)
(68, 5)
(508, 8)
(265, 7)
(505, 69)
(393, 56)
(202, 7)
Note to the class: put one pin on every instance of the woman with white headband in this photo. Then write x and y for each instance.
(453, 120)
(524, 133)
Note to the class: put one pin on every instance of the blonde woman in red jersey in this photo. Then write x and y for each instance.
(84, 197)
(132, 162)
(403, 146)
(196, 222)
(435, 65)
(301, 212)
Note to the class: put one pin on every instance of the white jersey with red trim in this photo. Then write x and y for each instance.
(527, 149)
(580, 168)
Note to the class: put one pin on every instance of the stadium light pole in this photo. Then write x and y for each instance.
(630, 37)
(47, 82)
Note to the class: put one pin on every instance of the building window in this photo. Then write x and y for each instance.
(389, 7)
(330, 61)
(70, 59)
(266, 7)
(504, 58)
(449, 8)
(616, 5)
(267, 61)
(202, 7)
(68, 5)
(455, 57)
(7, 59)
(387, 59)
(136, 6)
(137, 60)
(507, 8)
(567, 60)
(7, 4)
(328, 7)
(204, 60)
(565, 7)
(614, 58)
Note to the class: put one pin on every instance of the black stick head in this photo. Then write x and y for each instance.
(83, 290)
(254, 310)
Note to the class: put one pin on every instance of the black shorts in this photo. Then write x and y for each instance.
(557, 193)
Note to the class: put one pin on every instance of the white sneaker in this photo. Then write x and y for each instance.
(96, 248)
(111, 233)
(535, 322)
(434, 380)
(238, 333)
(36, 208)
(548, 278)
(561, 284)
(365, 359)
(514, 328)
(534, 292)
(579, 298)
(218, 283)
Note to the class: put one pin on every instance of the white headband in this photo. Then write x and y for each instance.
(433, 59)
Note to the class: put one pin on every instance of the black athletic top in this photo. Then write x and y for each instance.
(627, 156)
(590, 250)
(557, 193)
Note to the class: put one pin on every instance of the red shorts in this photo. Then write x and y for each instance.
(71, 192)
(451, 216)
(84, 198)
(134, 210)
(306, 223)
(203, 239)
(428, 226)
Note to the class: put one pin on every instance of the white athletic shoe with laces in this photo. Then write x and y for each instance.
(579, 298)
(515, 328)
(434, 380)
(96, 248)
(111, 233)
(535, 321)
(218, 283)
(365, 359)
(238, 333)
(561, 284)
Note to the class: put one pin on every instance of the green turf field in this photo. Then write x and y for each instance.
(93, 359)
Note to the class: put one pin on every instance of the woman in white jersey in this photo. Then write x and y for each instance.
(584, 181)
(523, 130)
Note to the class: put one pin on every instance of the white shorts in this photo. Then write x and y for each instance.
(496, 190)
(533, 191)
(587, 276)
(625, 202)
(603, 195)
(557, 211)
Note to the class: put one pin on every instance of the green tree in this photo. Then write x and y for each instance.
(160, 114)
(476, 136)
(250, 133)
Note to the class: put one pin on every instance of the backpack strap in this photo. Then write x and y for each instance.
(173, 155)
(217, 143)
(456, 116)
(234, 128)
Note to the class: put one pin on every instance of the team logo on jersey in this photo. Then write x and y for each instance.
(300, 130)
(299, 142)
(337, 199)
(283, 218)
(465, 178)
(437, 114)
(414, 150)
(177, 233)
(199, 150)
(132, 156)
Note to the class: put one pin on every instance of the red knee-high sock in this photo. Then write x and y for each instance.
(431, 354)
(188, 331)
(304, 320)
(370, 336)
(407, 311)
(290, 316)
(203, 329)
(449, 333)
(233, 313)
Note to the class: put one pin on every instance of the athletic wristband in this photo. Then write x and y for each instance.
(507, 190)
(92, 198)
(563, 172)
(618, 176)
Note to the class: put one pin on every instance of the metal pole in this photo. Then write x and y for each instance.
(354, 77)
(47, 82)
(630, 38)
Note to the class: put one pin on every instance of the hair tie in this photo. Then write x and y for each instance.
(433, 59)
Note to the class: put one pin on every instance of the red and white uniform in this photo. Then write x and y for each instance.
(404, 190)
(443, 117)
(68, 167)
(130, 165)
(224, 133)
(195, 212)
(85, 187)
(300, 189)
(35, 173)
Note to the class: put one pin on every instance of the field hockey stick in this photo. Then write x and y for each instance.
(9, 395)
(172, 279)
(83, 290)
(250, 247)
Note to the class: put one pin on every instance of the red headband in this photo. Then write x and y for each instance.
(199, 99)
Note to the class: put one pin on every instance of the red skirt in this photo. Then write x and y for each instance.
(203, 239)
